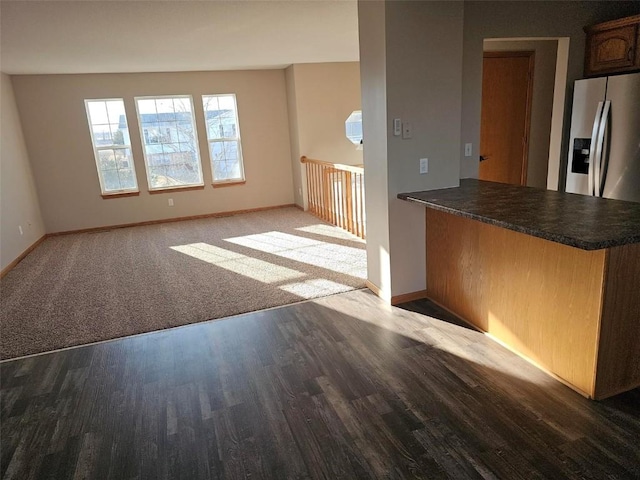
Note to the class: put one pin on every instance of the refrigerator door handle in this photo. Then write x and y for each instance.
(592, 149)
(599, 166)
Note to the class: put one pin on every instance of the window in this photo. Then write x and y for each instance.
(223, 133)
(353, 127)
(111, 146)
(168, 132)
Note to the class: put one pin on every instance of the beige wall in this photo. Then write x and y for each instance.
(294, 140)
(57, 137)
(18, 197)
(541, 104)
(513, 19)
(410, 72)
(423, 86)
(320, 97)
(372, 31)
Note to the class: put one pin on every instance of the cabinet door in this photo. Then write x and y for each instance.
(611, 50)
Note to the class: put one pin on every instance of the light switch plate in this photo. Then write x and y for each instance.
(406, 130)
(467, 149)
(424, 165)
(397, 127)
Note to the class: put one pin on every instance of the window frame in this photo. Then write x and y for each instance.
(241, 180)
(191, 186)
(123, 192)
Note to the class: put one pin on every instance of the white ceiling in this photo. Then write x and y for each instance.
(87, 36)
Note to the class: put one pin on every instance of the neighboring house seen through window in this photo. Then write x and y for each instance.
(168, 130)
(111, 146)
(223, 133)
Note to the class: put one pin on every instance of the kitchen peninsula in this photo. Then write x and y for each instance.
(553, 276)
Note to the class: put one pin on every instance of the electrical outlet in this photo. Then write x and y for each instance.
(171, 202)
(20, 229)
(407, 130)
(467, 149)
(424, 165)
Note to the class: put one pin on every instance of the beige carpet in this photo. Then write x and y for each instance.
(82, 288)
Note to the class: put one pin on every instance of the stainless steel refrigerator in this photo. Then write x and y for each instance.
(604, 150)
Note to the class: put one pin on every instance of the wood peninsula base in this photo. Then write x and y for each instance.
(573, 312)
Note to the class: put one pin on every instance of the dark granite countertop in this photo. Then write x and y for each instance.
(577, 220)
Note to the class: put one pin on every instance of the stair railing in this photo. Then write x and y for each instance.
(335, 193)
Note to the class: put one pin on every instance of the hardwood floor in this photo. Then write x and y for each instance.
(339, 387)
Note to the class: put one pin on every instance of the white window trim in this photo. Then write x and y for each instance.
(110, 147)
(144, 150)
(237, 138)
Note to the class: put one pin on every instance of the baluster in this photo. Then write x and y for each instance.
(310, 183)
(362, 219)
(319, 169)
(338, 184)
(343, 202)
(313, 188)
(349, 192)
(308, 171)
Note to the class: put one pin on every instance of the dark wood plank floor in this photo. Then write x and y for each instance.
(341, 387)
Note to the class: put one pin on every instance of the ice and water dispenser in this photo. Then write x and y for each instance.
(580, 159)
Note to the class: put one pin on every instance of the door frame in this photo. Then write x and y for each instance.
(531, 54)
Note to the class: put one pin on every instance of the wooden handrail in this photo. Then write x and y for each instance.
(335, 193)
(337, 166)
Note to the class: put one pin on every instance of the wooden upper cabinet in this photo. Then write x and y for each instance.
(613, 47)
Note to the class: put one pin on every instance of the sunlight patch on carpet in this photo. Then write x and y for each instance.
(315, 287)
(339, 258)
(330, 231)
(238, 263)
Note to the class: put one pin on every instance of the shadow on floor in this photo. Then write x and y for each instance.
(430, 309)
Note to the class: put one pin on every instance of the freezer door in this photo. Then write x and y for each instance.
(622, 179)
(587, 94)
